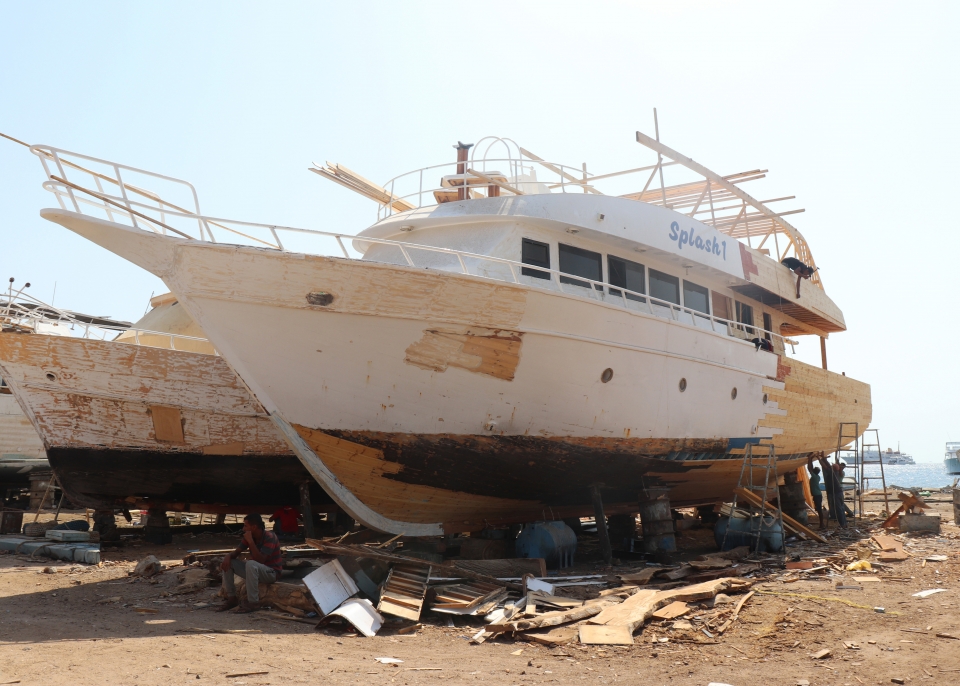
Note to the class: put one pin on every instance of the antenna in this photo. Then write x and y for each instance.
(656, 131)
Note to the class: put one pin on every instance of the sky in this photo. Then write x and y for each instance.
(850, 105)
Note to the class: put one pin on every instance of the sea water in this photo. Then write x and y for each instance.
(922, 475)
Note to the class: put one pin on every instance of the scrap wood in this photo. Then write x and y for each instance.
(598, 634)
(736, 612)
(673, 610)
(548, 619)
(620, 590)
(789, 522)
(465, 596)
(641, 577)
(887, 543)
(907, 502)
(638, 608)
(711, 563)
(231, 676)
(404, 591)
(555, 637)
(681, 572)
(450, 569)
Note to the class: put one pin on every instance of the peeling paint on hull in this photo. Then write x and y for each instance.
(97, 406)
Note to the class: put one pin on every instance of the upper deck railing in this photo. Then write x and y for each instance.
(147, 210)
(22, 312)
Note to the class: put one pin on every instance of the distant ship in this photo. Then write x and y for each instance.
(950, 460)
(889, 456)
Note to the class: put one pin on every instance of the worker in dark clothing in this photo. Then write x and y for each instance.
(816, 491)
(833, 482)
(799, 268)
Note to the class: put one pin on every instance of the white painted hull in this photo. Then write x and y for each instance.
(377, 357)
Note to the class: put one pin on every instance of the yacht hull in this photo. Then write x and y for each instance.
(427, 402)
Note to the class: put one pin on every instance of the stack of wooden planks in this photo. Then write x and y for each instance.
(404, 590)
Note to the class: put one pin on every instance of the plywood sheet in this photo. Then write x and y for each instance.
(593, 634)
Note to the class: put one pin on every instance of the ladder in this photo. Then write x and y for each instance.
(865, 480)
(767, 464)
(848, 434)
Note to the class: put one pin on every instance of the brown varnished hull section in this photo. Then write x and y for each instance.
(468, 482)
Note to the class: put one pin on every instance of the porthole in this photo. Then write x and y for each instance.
(607, 375)
(683, 385)
(765, 398)
(733, 393)
(51, 376)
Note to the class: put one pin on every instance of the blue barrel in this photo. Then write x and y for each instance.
(555, 542)
(743, 532)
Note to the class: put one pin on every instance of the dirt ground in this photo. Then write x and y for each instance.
(73, 624)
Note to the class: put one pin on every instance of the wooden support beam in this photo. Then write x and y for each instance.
(602, 532)
(823, 352)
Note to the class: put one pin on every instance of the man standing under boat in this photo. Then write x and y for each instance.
(833, 483)
(816, 491)
(264, 565)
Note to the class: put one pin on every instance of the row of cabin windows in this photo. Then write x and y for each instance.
(632, 276)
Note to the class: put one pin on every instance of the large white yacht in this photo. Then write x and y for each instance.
(507, 335)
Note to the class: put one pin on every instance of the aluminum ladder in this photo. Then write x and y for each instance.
(768, 465)
(847, 436)
(865, 480)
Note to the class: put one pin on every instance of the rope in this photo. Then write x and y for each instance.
(820, 597)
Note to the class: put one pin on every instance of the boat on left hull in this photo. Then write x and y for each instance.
(128, 425)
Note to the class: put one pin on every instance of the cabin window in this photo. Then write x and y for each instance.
(696, 297)
(745, 316)
(580, 262)
(767, 324)
(664, 287)
(722, 306)
(628, 275)
(537, 254)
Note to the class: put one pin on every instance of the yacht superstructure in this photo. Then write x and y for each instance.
(495, 345)
(951, 460)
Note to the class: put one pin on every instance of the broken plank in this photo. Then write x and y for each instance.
(672, 611)
(597, 634)
(638, 608)
(641, 577)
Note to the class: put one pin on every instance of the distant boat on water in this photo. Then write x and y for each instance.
(951, 461)
(889, 456)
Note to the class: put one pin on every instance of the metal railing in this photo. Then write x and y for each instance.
(160, 216)
(23, 312)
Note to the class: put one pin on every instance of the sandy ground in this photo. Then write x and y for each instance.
(71, 624)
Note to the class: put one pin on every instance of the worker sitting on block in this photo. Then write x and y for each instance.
(264, 566)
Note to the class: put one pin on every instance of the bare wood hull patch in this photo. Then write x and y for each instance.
(485, 351)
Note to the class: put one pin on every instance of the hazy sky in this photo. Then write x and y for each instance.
(851, 106)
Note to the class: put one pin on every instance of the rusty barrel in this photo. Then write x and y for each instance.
(656, 520)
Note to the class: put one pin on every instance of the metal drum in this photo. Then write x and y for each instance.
(656, 520)
(555, 542)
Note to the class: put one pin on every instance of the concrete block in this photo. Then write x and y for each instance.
(920, 523)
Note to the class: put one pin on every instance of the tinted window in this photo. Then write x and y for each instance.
(664, 287)
(579, 262)
(626, 274)
(745, 316)
(696, 297)
(537, 254)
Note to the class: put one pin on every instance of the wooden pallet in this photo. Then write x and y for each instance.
(466, 596)
(404, 590)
